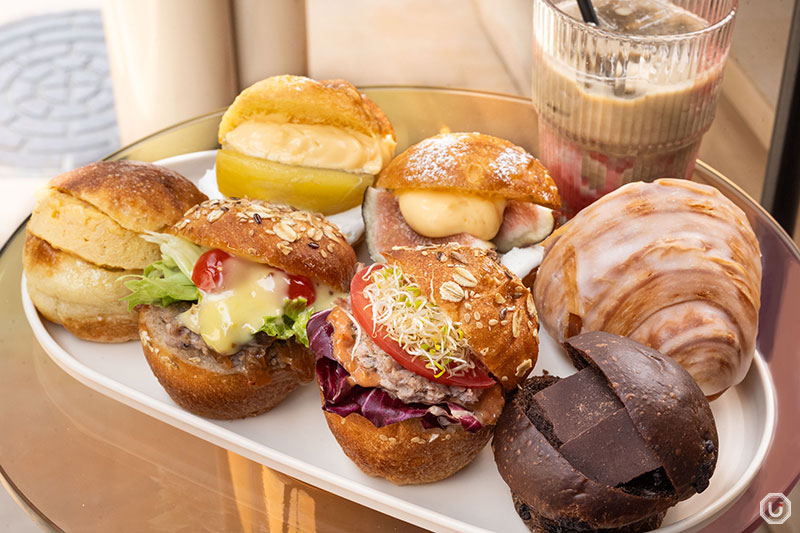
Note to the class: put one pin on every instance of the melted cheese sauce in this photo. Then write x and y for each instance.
(443, 213)
(228, 319)
(311, 145)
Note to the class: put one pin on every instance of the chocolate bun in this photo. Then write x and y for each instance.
(610, 447)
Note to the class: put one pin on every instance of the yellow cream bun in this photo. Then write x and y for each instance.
(315, 145)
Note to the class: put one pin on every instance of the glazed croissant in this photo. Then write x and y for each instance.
(672, 264)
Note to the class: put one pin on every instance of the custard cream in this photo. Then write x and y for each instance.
(443, 213)
(311, 145)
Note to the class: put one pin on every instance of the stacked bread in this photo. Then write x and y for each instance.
(85, 234)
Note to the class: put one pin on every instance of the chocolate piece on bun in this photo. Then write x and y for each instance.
(611, 447)
(413, 366)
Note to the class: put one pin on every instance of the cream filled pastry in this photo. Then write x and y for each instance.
(466, 188)
(310, 144)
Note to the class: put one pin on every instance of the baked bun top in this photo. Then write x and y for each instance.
(298, 242)
(664, 402)
(492, 305)
(138, 196)
(472, 163)
(306, 101)
(668, 412)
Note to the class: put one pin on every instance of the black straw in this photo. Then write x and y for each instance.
(587, 12)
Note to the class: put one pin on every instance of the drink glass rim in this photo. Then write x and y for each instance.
(649, 39)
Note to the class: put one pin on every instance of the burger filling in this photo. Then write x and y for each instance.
(393, 354)
(232, 299)
(257, 359)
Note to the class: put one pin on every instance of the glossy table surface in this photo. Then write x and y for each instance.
(79, 460)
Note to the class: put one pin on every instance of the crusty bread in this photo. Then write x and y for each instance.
(139, 196)
(84, 298)
(84, 234)
(70, 224)
(306, 101)
(207, 388)
(298, 242)
(494, 308)
(472, 163)
(405, 452)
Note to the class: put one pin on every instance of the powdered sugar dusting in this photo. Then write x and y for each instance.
(438, 157)
(511, 161)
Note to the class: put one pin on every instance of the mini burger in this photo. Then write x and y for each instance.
(412, 366)
(222, 315)
(466, 188)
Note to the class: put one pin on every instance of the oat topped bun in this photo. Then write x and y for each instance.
(492, 305)
(298, 242)
(306, 101)
(472, 163)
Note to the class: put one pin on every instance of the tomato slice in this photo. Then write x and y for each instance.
(207, 271)
(476, 378)
(301, 287)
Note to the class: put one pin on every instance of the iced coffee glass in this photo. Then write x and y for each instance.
(629, 99)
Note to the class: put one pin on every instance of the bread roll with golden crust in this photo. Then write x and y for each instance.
(472, 163)
(306, 101)
(671, 264)
(298, 242)
(81, 229)
(83, 297)
(139, 196)
(201, 384)
(84, 234)
(405, 452)
(492, 305)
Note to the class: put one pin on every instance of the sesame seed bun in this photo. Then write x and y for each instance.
(306, 101)
(81, 296)
(494, 308)
(298, 242)
(472, 163)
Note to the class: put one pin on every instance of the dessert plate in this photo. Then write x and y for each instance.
(294, 438)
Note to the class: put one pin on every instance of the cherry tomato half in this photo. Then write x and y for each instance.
(207, 272)
(301, 287)
(477, 378)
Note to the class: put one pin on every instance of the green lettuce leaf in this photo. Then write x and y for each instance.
(162, 284)
(292, 323)
(175, 251)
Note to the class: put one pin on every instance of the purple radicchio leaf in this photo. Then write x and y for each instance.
(373, 403)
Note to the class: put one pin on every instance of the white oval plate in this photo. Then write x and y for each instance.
(294, 439)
